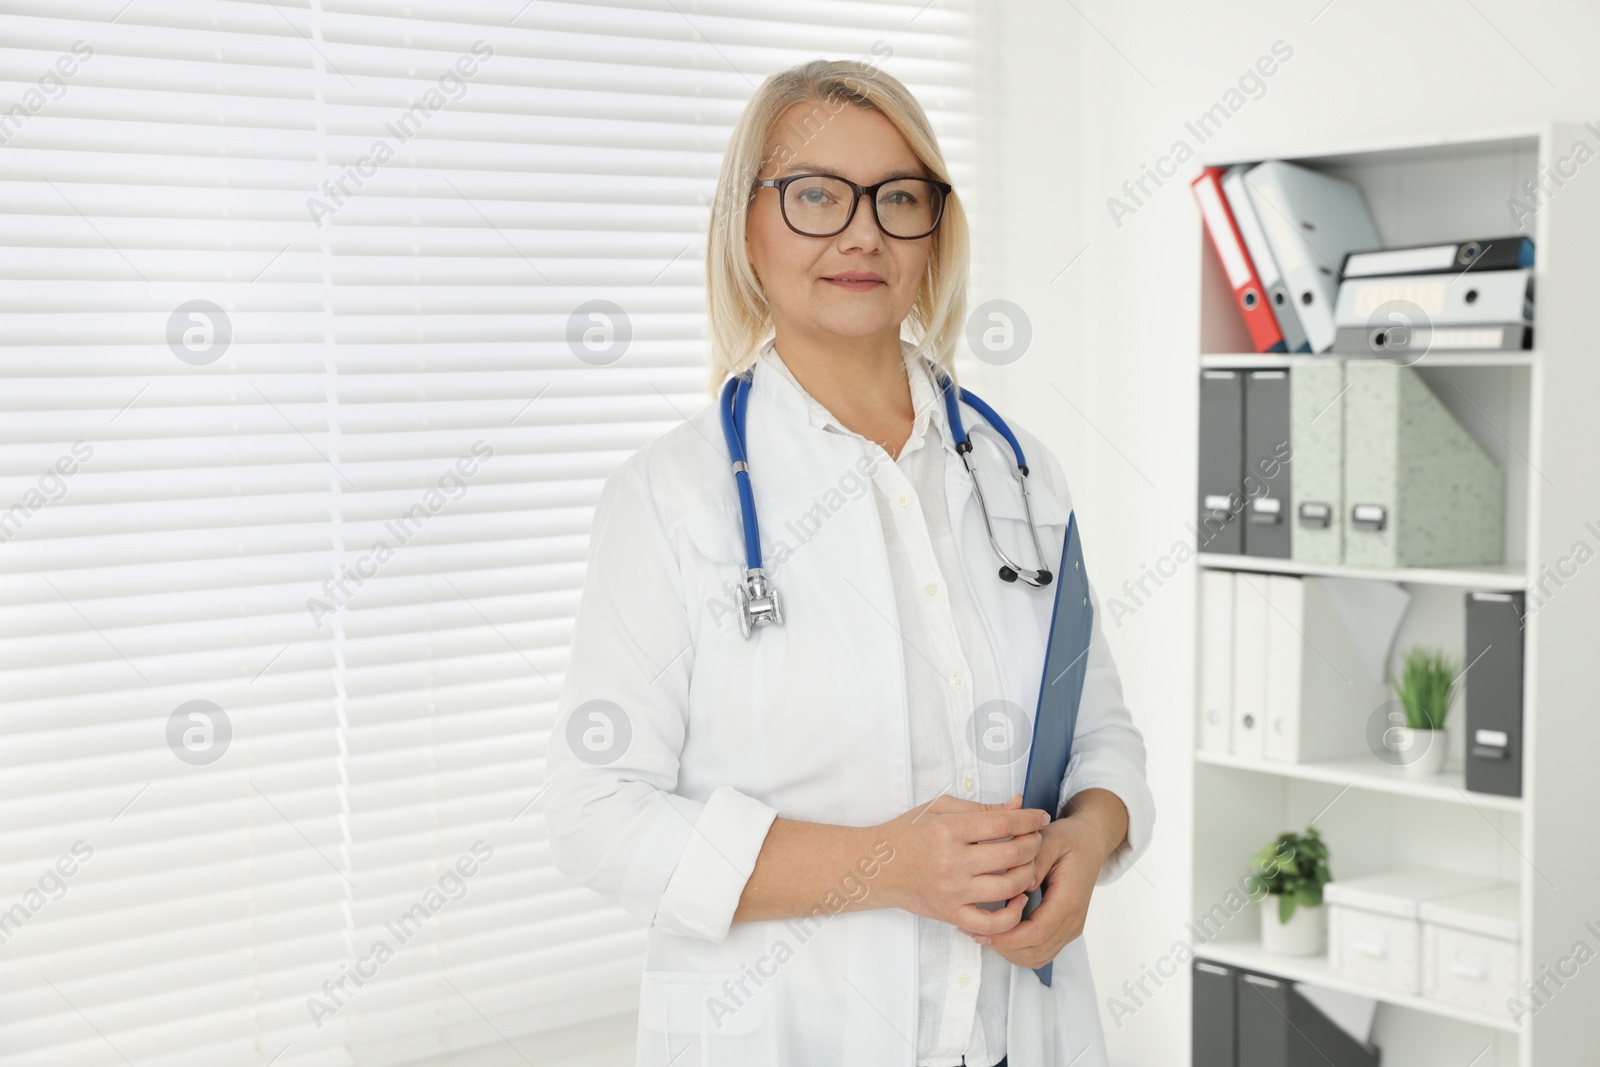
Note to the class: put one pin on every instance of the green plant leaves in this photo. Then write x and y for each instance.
(1295, 867)
(1428, 687)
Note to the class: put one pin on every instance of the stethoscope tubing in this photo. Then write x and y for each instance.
(735, 397)
(734, 401)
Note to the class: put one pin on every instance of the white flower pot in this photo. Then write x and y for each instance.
(1421, 751)
(1305, 934)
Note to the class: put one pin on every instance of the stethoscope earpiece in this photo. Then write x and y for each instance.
(1042, 578)
(758, 599)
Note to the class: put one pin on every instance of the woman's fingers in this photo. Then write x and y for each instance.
(1005, 885)
(1019, 851)
(958, 852)
(992, 825)
(945, 804)
(987, 923)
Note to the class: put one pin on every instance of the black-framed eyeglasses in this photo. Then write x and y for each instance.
(822, 205)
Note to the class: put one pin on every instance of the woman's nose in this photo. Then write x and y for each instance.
(863, 231)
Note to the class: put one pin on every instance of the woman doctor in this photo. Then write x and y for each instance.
(810, 803)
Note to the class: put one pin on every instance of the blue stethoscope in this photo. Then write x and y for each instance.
(758, 598)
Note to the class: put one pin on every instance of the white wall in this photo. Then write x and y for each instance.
(1088, 94)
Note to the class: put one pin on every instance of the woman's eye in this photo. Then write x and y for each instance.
(815, 196)
(900, 198)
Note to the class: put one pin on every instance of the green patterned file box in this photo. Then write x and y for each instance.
(1316, 441)
(1418, 491)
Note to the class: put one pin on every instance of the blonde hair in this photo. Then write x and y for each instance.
(740, 318)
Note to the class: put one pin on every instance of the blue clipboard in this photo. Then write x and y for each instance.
(1066, 662)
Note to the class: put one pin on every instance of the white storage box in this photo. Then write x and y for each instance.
(1374, 927)
(1469, 948)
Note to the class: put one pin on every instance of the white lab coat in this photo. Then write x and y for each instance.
(665, 807)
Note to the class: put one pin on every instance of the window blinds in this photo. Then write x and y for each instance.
(296, 470)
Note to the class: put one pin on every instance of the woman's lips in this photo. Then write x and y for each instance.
(855, 285)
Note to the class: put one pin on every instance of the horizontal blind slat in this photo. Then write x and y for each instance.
(384, 319)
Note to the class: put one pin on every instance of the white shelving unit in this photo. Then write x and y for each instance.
(1508, 576)
(1536, 413)
(1257, 360)
(1361, 772)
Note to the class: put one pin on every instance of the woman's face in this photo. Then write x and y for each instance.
(801, 276)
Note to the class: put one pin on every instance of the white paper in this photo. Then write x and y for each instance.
(1350, 1013)
(1371, 612)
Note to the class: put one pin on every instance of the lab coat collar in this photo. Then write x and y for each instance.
(790, 399)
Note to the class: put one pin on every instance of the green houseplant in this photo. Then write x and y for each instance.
(1291, 872)
(1426, 690)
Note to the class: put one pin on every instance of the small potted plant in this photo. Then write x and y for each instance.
(1426, 691)
(1291, 872)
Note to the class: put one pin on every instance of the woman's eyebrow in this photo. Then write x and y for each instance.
(802, 167)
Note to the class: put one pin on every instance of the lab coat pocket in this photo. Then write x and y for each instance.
(1013, 531)
(704, 1019)
(1019, 615)
(713, 563)
(717, 535)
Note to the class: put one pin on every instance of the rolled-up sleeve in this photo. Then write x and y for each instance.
(614, 822)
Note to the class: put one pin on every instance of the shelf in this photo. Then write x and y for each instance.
(1508, 577)
(1447, 146)
(1366, 772)
(1269, 360)
(1314, 971)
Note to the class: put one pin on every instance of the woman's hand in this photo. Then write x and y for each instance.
(1071, 853)
(948, 858)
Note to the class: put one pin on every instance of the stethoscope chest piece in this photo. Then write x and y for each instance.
(758, 602)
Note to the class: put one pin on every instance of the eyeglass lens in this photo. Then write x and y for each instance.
(818, 206)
